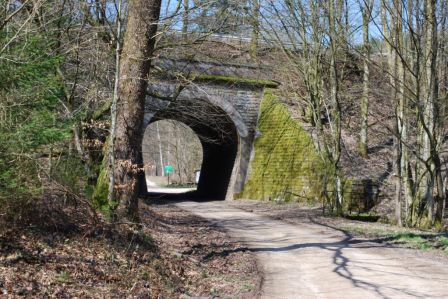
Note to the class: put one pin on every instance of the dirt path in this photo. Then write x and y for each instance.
(310, 260)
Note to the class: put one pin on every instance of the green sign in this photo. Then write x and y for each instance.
(169, 169)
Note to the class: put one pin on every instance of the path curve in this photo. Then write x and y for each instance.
(314, 261)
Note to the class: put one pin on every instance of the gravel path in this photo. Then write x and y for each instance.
(310, 260)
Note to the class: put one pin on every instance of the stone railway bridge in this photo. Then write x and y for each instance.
(221, 103)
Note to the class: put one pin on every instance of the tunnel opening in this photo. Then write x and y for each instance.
(168, 166)
(218, 137)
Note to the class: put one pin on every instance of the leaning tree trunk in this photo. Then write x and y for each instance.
(136, 59)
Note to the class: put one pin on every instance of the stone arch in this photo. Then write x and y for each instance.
(238, 97)
(230, 110)
(219, 127)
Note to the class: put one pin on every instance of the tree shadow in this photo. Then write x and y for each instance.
(340, 260)
(169, 198)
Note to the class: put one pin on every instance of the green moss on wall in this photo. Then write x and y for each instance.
(236, 80)
(101, 189)
(286, 164)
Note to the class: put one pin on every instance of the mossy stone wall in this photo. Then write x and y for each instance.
(286, 164)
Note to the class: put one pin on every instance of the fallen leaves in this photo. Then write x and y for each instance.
(174, 254)
(209, 263)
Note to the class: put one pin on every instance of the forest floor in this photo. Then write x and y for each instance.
(170, 256)
(305, 255)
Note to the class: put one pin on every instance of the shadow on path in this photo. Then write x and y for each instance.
(381, 275)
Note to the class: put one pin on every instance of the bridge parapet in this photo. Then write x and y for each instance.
(246, 74)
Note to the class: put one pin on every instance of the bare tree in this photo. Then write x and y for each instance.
(185, 19)
(255, 29)
(366, 8)
(136, 60)
(113, 109)
(413, 48)
(310, 40)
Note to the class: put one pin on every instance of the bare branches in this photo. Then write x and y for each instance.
(12, 15)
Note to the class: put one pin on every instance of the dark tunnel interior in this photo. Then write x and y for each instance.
(219, 139)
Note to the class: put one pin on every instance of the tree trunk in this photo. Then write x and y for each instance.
(365, 94)
(430, 152)
(398, 179)
(409, 50)
(135, 64)
(255, 29)
(401, 106)
(335, 122)
(392, 31)
(387, 38)
(159, 141)
(113, 111)
(185, 20)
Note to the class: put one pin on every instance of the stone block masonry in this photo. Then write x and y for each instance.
(285, 164)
